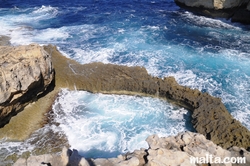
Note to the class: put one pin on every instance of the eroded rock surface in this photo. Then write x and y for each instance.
(237, 10)
(210, 116)
(180, 150)
(25, 73)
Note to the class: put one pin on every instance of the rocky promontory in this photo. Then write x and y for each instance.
(236, 10)
(210, 116)
(27, 72)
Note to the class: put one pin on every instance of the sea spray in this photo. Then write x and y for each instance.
(101, 125)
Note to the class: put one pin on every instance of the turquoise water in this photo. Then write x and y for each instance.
(211, 55)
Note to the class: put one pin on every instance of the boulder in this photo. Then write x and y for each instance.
(184, 149)
(186, 146)
(25, 73)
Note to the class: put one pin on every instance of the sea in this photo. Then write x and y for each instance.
(212, 55)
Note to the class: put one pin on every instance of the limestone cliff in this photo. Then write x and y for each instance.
(25, 73)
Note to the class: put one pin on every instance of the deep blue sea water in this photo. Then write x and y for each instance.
(212, 55)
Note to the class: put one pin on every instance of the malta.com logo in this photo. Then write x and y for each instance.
(210, 159)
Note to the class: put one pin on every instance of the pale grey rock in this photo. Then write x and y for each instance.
(242, 153)
(102, 162)
(163, 157)
(40, 160)
(163, 151)
(72, 158)
(177, 150)
(227, 4)
(65, 155)
(25, 73)
(20, 162)
(134, 161)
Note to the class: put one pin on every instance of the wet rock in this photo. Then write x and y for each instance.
(236, 10)
(28, 72)
(4, 40)
(210, 116)
(25, 73)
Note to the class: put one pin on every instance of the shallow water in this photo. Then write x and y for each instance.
(211, 55)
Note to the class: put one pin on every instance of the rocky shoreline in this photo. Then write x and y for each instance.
(173, 151)
(210, 117)
(236, 10)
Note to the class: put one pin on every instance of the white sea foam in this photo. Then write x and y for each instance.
(190, 61)
(208, 22)
(46, 10)
(114, 123)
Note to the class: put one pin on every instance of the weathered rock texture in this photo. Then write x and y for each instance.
(214, 4)
(237, 10)
(210, 116)
(4, 40)
(25, 73)
(174, 151)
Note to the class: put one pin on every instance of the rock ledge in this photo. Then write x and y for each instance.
(174, 150)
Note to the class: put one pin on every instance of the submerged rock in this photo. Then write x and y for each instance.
(25, 73)
(4, 40)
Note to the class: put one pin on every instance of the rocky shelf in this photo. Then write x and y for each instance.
(180, 150)
(47, 67)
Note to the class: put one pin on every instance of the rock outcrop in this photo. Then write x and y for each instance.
(185, 149)
(237, 10)
(210, 116)
(25, 73)
(214, 4)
